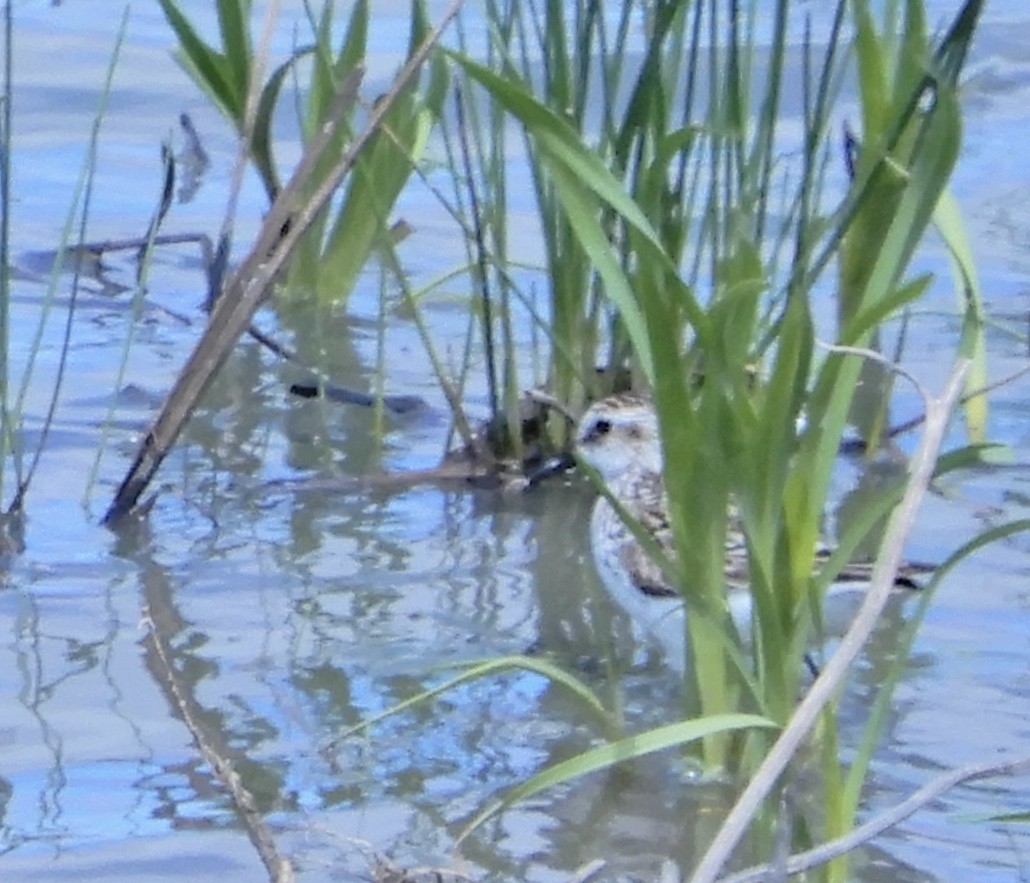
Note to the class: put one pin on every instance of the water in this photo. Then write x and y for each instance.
(287, 616)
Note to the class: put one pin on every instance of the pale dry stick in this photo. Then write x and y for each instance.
(588, 871)
(250, 285)
(886, 820)
(909, 425)
(938, 412)
(874, 356)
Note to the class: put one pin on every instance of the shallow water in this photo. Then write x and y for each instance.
(288, 615)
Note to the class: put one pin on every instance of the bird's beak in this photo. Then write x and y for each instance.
(549, 468)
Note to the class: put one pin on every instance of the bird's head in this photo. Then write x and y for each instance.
(618, 435)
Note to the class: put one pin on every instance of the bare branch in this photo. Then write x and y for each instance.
(830, 850)
(874, 356)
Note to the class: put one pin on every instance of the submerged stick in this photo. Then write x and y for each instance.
(251, 284)
(397, 404)
(162, 663)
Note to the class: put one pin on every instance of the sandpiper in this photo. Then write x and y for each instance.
(619, 437)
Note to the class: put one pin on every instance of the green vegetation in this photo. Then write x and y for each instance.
(338, 243)
(712, 247)
(687, 237)
(691, 224)
(687, 181)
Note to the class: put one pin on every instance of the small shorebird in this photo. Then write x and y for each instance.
(618, 436)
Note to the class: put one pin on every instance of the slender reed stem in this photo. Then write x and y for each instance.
(481, 257)
(7, 441)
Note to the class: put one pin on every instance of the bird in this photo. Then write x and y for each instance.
(618, 436)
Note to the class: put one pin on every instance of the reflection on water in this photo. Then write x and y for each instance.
(260, 622)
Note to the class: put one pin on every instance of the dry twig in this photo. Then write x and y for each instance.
(820, 855)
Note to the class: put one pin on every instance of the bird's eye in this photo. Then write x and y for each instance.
(596, 430)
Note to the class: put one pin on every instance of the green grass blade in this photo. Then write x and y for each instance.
(78, 214)
(613, 753)
(208, 67)
(234, 24)
(856, 777)
(583, 210)
(8, 420)
(329, 71)
(562, 143)
(261, 140)
(985, 538)
(374, 185)
(475, 671)
(948, 219)
(871, 317)
(581, 179)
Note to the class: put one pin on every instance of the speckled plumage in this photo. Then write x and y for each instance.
(619, 437)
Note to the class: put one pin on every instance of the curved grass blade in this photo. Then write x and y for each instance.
(857, 774)
(948, 219)
(475, 671)
(613, 753)
(261, 140)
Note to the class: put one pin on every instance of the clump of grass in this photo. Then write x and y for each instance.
(683, 218)
(696, 195)
(346, 232)
(338, 243)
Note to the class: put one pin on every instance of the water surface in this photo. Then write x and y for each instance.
(288, 615)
